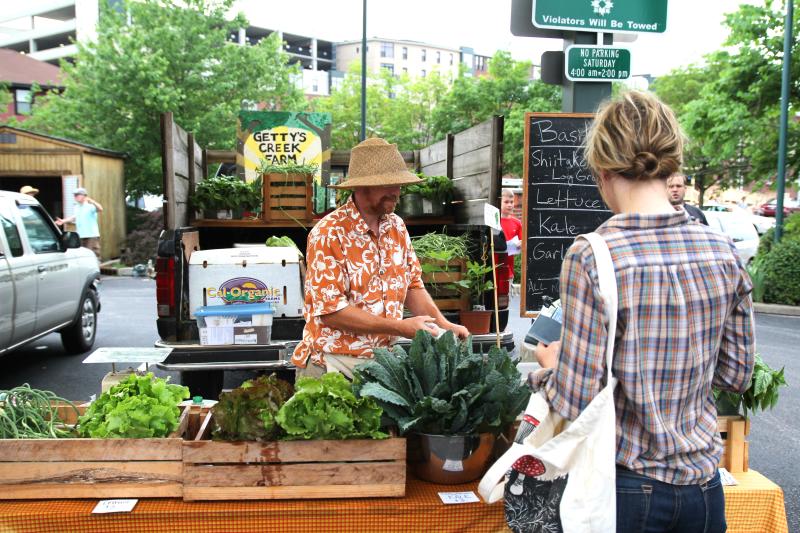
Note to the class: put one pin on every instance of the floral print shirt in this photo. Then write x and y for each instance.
(349, 265)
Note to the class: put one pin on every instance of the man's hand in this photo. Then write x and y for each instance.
(547, 354)
(460, 331)
(408, 327)
(59, 221)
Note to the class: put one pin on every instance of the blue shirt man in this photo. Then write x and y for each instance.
(85, 219)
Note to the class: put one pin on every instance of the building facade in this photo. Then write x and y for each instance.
(401, 57)
(22, 76)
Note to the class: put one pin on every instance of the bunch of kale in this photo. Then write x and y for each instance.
(441, 387)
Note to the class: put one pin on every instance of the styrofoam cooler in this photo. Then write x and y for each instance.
(235, 324)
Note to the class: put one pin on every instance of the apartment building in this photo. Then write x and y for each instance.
(48, 29)
(401, 57)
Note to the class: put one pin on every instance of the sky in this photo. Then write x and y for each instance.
(693, 26)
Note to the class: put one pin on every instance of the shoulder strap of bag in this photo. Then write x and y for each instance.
(608, 290)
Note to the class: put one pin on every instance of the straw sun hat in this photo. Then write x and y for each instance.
(376, 163)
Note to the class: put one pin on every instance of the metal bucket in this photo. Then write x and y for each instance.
(450, 459)
(410, 205)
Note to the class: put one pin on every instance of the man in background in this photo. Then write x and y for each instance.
(30, 191)
(676, 190)
(85, 219)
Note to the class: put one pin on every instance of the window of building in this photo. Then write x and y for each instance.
(22, 101)
(424, 54)
(405, 52)
(438, 57)
(388, 66)
(424, 73)
(358, 50)
(451, 59)
(387, 49)
(405, 70)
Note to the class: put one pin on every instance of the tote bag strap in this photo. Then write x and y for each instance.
(608, 290)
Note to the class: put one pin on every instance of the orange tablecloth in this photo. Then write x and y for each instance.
(754, 506)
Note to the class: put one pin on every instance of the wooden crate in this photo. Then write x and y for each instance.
(279, 470)
(94, 468)
(446, 299)
(288, 197)
(736, 448)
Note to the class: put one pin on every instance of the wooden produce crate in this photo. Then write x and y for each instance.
(446, 299)
(736, 448)
(288, 197)
(93, 468)
(215, 470)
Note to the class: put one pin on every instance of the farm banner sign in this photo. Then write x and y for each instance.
(283, 138)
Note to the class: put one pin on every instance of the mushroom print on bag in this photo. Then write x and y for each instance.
(532, 502)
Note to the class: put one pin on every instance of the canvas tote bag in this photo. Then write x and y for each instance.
(564, 480)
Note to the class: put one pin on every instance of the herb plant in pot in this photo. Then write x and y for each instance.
(476, 282)
(410, 204)
(218, 196)
(437, 193)
(451, 402)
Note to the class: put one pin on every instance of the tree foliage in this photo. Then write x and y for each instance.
(730, 107)
(157, 56)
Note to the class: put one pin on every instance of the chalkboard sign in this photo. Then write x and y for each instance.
(560, 200)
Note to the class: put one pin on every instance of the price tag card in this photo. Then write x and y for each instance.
(114, 506)
(727, 478)
(459, 497)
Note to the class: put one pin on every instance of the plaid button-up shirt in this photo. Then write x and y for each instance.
(684, 324)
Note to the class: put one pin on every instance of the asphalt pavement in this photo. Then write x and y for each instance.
(128, 319)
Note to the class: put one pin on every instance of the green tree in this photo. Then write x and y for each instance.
(730, 107)
(5, 96)
(164, 55)
(508, 91)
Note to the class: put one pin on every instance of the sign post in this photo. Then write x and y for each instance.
(491, 216)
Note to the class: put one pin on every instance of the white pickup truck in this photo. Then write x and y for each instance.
(48, 282)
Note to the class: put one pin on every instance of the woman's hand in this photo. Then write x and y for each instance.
(547, 354)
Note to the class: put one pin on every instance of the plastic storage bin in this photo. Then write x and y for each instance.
(235, 324)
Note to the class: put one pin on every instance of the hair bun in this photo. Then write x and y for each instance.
(645, 165)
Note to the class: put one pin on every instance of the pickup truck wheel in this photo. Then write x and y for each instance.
(79, 336)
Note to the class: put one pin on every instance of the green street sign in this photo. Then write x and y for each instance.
(597, 63)
(612, 16)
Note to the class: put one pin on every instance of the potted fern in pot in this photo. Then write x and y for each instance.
(451, 402)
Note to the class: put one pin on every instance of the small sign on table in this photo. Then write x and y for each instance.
(459, 497)
(114, 506)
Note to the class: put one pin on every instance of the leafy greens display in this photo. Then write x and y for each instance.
(441, 387)
(326, 408)
(248, 412)
(139, 407)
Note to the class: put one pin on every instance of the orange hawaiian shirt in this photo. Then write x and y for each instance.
(349, 265)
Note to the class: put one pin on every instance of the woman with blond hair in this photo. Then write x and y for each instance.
(684, 326)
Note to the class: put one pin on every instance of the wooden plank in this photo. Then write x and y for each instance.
(496, 160)
(167, 171)
(441, 277)
(434, 153)
(435, 169)
(287, 180)
(450, 139)
(36, 450)
(287, 202)
(180, 145)
(735, 445)
(44, 491)
(448, 304)
(220, 156)
(321, 451)
(471, 163)
(304, 474)
(71, 472)
(473, 138)
(469, 212)
(299, 190)
(293, 493)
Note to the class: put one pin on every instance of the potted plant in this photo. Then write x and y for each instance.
(761, 394)
(218, 196)
(410, 204)
(452, 402)
(441, 257)
(437, 192)
(475, 283)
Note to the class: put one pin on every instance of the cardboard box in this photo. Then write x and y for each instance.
(247, 275)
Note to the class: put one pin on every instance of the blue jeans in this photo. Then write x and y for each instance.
(647, 505)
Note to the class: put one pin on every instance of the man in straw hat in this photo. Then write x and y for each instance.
(362, 270)
(30, 191)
